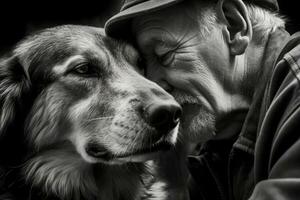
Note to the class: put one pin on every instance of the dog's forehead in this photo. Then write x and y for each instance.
(61, 38)
(55, 45)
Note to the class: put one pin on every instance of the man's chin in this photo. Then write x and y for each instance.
(198, 124)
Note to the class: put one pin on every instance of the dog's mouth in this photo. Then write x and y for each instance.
(95, 152)
(145, 154)
(139, 155)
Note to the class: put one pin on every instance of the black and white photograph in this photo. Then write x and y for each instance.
(150, 100)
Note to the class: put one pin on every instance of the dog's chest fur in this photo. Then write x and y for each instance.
(121, 182)
(94, 182)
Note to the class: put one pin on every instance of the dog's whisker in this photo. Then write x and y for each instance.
(135, 138)
(100, 118)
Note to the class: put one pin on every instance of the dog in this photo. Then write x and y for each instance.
(79, 120)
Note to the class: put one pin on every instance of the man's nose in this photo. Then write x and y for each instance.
(163, 115)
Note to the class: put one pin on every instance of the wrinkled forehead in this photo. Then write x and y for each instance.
(152, 25)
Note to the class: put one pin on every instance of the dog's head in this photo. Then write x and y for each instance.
(76, 87)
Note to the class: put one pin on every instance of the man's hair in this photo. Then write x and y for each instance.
(262, 20)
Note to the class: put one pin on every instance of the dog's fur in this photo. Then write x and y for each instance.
(63, 89)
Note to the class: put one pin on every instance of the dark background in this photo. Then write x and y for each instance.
(16, 19)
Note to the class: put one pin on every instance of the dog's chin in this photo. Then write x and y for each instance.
(145, 154)
(138, 155)
(137, 158)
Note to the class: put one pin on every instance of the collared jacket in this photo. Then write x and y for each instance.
(263, 161)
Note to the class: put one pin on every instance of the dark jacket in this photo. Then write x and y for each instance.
(263, 160)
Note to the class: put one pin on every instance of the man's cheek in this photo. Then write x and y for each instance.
(183, 80)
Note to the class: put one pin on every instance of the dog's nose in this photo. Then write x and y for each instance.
(164, 117)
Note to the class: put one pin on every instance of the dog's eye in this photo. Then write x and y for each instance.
(84, 70)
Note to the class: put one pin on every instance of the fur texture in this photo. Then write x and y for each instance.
(74, 110)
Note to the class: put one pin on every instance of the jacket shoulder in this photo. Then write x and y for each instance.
(280, 127)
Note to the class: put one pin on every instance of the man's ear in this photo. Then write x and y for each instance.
(14, 86)
(238, 30)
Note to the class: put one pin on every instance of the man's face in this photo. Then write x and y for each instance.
(191, 62)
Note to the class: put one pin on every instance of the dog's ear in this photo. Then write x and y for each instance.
(14, 85)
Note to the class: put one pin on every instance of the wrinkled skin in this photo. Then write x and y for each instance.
(193, 64)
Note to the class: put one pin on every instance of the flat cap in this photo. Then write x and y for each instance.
(119, 25)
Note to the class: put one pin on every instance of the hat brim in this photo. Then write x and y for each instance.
(119, 25)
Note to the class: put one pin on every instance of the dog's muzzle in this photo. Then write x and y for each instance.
(165, 143)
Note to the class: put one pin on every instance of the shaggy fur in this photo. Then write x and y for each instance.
(73, 119)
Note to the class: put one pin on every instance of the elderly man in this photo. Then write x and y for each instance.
(235, 71)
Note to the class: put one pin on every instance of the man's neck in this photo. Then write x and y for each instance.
(260, 58)
(250, 71)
